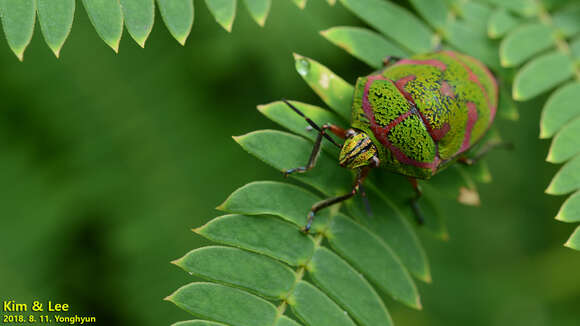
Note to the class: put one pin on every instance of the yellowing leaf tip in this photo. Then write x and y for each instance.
(550, 190)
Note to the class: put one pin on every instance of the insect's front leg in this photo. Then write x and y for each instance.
(316, 149)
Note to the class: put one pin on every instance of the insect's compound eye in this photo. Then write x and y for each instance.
(350, 133)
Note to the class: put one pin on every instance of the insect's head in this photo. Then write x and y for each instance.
(358, 150)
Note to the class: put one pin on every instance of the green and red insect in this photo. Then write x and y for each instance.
(414, 117)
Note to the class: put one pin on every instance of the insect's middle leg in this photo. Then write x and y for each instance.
(361, 176)
(317, 147)
(415, 201)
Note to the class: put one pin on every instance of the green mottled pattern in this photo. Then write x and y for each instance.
(360, 120)
(438, 109)
(441, 88)
(387, 102)
(412, 138)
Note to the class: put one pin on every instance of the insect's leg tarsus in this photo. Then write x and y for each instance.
(313, 156)
(415, 201)
(490, 145)
(362, 174)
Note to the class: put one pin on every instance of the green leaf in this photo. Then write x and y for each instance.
(566, 144)
(480, 172)
(507, 109)
(197, 323)
(575, 48)
(574, 241)
(259, 10)
(224, 12)
(107, 18)
(289, 202)
(395, 22)
(261, 234)
(500, 23)
(449, 183)
(178, 17)
(139, 17)
(379, 263)
(280, 113)
(525, 42)
(300, 3)
(560, 108)
(567, 19)
(18, 18)
(315, 308)
(348, 288)
(224, 304)
(435, 12)
(567, 179)
(363, 44)
(542, 74)
(253, 272)
(570, 210)
(284, 151)
(526, 8)
(55, 18)
(475, 14)
(388, 222)
(285, 321)
(473, 42)
(332, 89)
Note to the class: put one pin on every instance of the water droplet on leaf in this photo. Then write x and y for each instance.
(303, 67)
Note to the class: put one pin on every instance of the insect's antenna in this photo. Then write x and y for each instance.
(311, 123)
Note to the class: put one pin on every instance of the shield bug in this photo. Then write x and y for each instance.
(414, 117)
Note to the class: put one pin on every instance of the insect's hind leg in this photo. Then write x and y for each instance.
(487, 147)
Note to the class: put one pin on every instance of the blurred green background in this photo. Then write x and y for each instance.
(107, 161)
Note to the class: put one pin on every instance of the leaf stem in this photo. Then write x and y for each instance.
(281, 309)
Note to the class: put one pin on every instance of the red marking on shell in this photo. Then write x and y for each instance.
(382, 132)
(446, 89)
(395, 122)
(438, 134)
(493, 109)
(401, 157)
(471, 119)
(431, 62)
(473, 78)
(368, 110)
(400, 84)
